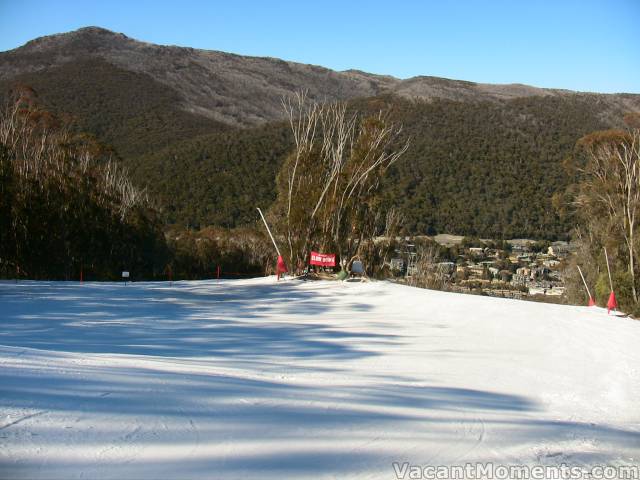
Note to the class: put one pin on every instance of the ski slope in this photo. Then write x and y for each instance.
(266, 379)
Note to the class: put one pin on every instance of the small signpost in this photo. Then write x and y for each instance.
(125, 276)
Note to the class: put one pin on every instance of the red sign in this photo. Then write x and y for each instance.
(323, 259)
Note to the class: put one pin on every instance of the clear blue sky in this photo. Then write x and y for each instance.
(589, 45)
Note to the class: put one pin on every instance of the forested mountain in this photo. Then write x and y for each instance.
(216, 179)
(203, 130)
(488, 169)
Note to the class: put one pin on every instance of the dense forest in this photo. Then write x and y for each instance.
(68, 210)
(130, 111)
(217, 179)
(481, 168)
(487, 169)
(65, 206)
(484, 169)
(202, 132)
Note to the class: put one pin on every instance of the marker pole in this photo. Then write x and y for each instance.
(269, 230)
(608, 268)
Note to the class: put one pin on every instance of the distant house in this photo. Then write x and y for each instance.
(520, 248)
(446, 267)
(397, 264)
(505, 275)
(478, 271)
(547, 290)
(520, 280)
(559, 249)
(555, 275)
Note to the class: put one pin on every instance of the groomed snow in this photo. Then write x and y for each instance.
(258, 379)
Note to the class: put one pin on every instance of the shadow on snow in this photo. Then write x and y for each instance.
(180, 321)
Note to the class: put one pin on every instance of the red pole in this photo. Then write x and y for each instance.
(218, 272)
(81, 275)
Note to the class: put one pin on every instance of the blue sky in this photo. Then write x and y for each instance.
(589, 45)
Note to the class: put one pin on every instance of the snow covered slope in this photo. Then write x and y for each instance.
(258, 379)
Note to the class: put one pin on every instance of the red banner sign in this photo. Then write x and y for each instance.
(323, 259)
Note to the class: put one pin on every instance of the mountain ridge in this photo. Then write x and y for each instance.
(244, 90)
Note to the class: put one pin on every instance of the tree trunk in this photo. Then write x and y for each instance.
(631, 265)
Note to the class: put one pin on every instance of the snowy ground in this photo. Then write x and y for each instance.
(258, 379)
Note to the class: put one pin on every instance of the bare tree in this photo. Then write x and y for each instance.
(429, 273)
(611, 187)
(58, 185)
(327, 186)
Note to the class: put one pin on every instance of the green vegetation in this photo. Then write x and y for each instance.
(216, 179)
(328, 187)
(486, 169)
(606, 201)
(481, 169)
(65, 208)
(130, 111)
(135, 177)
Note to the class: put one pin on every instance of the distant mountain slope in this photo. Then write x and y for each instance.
(241, 90)
(230, 88)
(128, 110)
(202, 130)
(216, 179)
(485, 168)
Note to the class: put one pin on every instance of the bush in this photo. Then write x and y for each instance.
(622, 288)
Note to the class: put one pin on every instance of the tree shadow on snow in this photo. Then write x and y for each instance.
(302, 426)
(207, 319)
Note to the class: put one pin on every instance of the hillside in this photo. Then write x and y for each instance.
(236, 90)
(241, 90)
(494, 177)
(128, 110)
(485, 168)
(218, 178)
(202, 130)
(265, 379)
